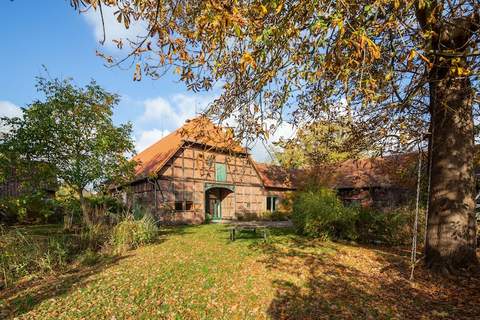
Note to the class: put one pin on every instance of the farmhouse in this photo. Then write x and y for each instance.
(201, 172)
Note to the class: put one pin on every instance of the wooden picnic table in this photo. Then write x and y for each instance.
(248, 227)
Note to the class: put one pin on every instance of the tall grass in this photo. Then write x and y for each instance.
(131, 233)
(22, 254)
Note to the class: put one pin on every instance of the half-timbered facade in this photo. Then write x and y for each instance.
(201, 172)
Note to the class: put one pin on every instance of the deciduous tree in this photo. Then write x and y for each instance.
(406, 69)
(72, 131)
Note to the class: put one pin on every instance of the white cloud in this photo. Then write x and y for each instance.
(189, 105)
(9, 110)
(159, 110)
(163, 115)
(284, 130)
(148, 137)
(172, 113)
(262, 151)
(113, 29)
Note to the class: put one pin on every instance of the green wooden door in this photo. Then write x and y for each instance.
(214, 208)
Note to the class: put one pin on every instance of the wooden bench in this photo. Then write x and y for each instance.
(237, 229)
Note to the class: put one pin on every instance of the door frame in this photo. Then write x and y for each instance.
(218, 192)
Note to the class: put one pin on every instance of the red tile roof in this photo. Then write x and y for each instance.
(373, 172)
(276, 176)
(198, 130)
(358, 173)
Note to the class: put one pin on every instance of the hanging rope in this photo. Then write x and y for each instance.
(413, 256)
(428, 188)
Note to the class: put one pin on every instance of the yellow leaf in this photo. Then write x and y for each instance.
(263, 9)
(137, 76)
(279, 8)
(411, 55)
(247, 60)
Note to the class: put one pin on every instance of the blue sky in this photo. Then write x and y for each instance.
(51, 33)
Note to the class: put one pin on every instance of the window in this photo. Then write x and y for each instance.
(178, 205)
(183, 200)
(188, 205)
(272, 203)
(220, 172)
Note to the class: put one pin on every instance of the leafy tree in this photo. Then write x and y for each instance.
(407, 70)
(72, 132)
(317, 144)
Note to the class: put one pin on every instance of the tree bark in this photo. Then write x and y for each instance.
(84, 206)
(451, 225)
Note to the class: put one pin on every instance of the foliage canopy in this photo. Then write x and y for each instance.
(72, 132)
(305, 60)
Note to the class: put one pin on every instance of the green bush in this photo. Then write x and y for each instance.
(29, 208)
(106, 209)
(273, 216)
(247, 216)
(394, 227)
(280, 215)
(131, 233)
(318, 212)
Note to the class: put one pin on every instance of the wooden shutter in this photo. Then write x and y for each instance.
(220, 172)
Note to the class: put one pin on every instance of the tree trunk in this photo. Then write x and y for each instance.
(84, 206)
(451, 228)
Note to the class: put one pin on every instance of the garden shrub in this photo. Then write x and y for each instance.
(105, 209)
(393, 227)
(318, 212)
(29, 208)
(280, 215)
(247, 216)
(131, 233)
(89, 257)
(274, 216)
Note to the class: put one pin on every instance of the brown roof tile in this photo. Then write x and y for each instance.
(276, 176)
(199, 130)
(372, 172)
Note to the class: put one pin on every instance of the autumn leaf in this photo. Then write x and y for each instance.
(137, 76)
(247, 60)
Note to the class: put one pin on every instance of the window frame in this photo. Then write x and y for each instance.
(272, 202)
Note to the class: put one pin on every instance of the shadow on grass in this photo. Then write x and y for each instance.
(27, 294)
(256, 238)
(323, 280)
(167, 231)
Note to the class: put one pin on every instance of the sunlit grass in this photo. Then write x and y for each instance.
(197, 273)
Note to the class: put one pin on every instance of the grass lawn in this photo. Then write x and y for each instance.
(197, 273)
